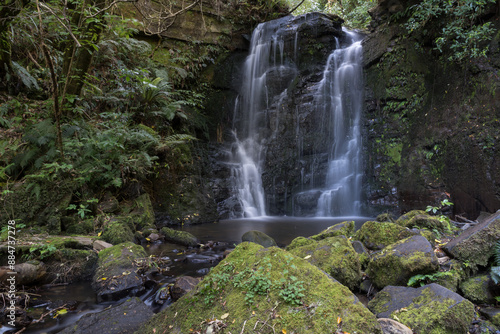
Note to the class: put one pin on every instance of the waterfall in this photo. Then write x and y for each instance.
(266, 54)
(267, 124)
(339, 101)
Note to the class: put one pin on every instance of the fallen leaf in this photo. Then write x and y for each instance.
(339, 320)
(283, 331)
(224, 316)
(307, 257)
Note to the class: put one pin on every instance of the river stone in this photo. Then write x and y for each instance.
(124, 318)
(183, 285)
(99, 245)
(335, 256)
(345, 228)
(426, 221)
(476, 245)
(395, 264)
(116, 274)
(430, 309)
(402, 220)
(378, 235)
(492, 314)
(27, 273)
(224, 294)
(390, 326)
(258, 237)
(179, 237)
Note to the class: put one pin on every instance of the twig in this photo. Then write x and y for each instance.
(47, 313)
(108, 7)
(243, 329)
(60, 21)
(466, 220)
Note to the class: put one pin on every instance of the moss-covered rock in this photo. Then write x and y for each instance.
(428, 222)
(476, 245)
(68, 265)
(395, 264)
(378, 235)
(452, 280)
(345, 228)
(364, 255)
(335, 256)
(116, 272)
(179, 237)
(142, 213)
(431, 309)
(118, 230)
(385, 217)
(265, 289)
(403, 219)
(259, 238)
(299, 242)
(478, 289)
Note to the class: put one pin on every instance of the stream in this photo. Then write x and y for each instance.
(196, 262)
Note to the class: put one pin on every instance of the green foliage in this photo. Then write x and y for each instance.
(462, 35)
(292, 291)
(40, 251)
(421, 280)
(495, 270)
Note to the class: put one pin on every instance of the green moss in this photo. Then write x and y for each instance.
(476, 289)
(395, 266)
(299, 242)
(344, 228)
(179, 237)
(323, 302)
(120, 255)
(402, 220)
(378, 235)
(335, 256)
(118, 230)
(436, 316)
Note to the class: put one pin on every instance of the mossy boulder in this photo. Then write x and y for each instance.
(118, 230)
(335, 256)
(260, 289)
(259, 238)
(476, 245)
(478, 289)
(428, 222)
(116, 273)
(179, 237)
(364, 255)
(491, 313)
(378, 235)
(299, 242)
(142, 213)
(385, 217)
(431, 309)
(452, 280)
(69, 265)
(345, 228)
(403, 219)
(395, 264)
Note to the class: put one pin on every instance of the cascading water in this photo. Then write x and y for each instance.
(339, 101)
(266, 54)
(278, 133)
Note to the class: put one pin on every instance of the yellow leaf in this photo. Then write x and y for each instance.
(307, 257)
(148, 239)
(224, 316)
(253, 312)
(283, 331)
(103, 279)
(339, 320)
(62, 311)
(99, 234)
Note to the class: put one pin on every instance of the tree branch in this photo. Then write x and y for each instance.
(62, 23)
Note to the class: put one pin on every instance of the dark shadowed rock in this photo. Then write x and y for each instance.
(258, 237)
(183, 285)
(124, 318)
(476, 244)
(116, 274)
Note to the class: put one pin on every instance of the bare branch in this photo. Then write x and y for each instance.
(108, 7)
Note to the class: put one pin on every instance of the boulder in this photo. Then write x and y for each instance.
(109, 204)
(364, 255)
(299, 242)
(344, 228)
(335, 256)
(426, 221)
(476, 245)
(118, 230)
(431, 309)
(492, 314)
(99, 245)
(403, 219)
(378, 235)
(390, 326)
(183, 285)
(258, 237)
(124, 318)
(259, 289)
(395, 264)
(116, 274)
(179, 237)
(479, 289)
(27, 273)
